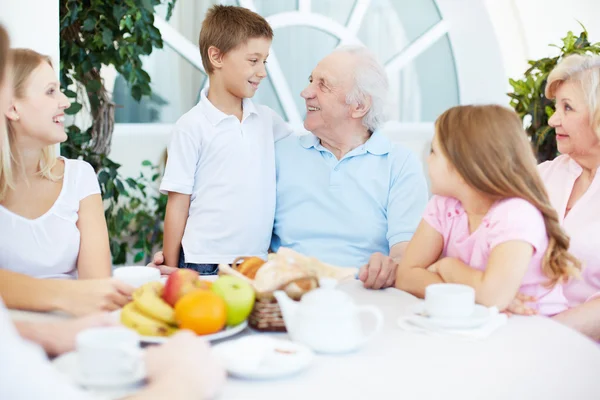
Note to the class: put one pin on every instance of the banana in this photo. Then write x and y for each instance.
(148, 300)
(133, 318)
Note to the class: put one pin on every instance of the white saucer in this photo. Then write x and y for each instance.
(67, 364)
(480, 316)
(263, 357)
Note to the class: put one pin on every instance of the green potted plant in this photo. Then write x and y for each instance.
(93, 34)
(528, 98)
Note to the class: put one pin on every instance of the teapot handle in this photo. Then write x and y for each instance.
(376, 312)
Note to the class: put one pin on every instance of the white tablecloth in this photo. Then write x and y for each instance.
(530, 358)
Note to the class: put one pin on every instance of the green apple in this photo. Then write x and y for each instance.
(238, 296)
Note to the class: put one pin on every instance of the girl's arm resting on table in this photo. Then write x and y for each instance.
(94, 259)
(584, 318)
(178, 207)
(423, 250)
(500, 282)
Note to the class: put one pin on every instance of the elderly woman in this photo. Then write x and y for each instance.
(573, 184)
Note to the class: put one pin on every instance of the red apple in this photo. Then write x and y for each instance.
(179, 284)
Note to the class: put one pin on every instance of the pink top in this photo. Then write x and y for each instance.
(509, 219)
(581, 223)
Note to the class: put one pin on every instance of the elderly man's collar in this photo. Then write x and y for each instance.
(378, 144)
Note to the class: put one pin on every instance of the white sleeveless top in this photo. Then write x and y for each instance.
(48, 246)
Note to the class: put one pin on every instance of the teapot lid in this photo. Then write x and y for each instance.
(326, 299)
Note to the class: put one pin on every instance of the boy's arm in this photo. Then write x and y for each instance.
(178, 206)
(178, 184)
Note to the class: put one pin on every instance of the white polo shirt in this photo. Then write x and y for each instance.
(228, 168)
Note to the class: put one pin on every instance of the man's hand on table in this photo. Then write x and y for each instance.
(379, 273)
(158, 262)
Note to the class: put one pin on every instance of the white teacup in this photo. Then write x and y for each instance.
(449, 300)
(136, 276)
(108, 355)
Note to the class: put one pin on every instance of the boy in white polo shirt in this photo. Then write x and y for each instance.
(220, 173)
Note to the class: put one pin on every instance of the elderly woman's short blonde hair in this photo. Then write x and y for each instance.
(585, 70)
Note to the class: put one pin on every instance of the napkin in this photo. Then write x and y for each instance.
(421, 324)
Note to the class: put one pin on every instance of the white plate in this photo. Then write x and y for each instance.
(263, 357)
(67, 364)
(480, 316)
(227, 332)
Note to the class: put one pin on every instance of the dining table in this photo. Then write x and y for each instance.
(527, 358)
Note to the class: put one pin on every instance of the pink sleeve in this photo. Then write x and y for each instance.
(434, 212)
(517, 219)
(593, 297)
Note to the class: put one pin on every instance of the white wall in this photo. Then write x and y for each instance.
(33, 24)
(525, 28)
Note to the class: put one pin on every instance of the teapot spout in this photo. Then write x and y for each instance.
(288, 308)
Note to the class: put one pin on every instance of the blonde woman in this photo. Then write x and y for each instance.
(490, 224)
(51, 215)
(573, 183)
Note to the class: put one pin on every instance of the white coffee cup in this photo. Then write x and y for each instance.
(108, 354)
(136, 276)
(449, 300)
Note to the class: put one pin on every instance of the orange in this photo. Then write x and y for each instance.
(201, 311)
(202, 284)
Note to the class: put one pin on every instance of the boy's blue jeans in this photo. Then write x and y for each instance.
(202, 269)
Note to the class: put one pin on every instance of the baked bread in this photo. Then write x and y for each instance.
(314, 266)
(250, 266)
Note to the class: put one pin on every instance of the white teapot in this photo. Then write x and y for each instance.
(326, 319)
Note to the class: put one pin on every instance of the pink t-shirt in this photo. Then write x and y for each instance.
(582, 223)
(509, 219)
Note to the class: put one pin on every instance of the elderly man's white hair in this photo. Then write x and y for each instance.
(370, 80)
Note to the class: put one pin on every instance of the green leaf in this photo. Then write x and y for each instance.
(541, 134)
(146, 163)
(89, 24)
(139, 257)
(131, 182)
(136, 92)
(93, 85)
(107, 37)
(120, 186)
(69, 93)
(103, 177)
(73, 109)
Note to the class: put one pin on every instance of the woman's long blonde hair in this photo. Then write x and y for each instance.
(23, 62)
(489, 149)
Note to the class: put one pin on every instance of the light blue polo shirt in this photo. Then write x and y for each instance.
(342, 211)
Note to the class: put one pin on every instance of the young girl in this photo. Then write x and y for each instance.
(489, 224)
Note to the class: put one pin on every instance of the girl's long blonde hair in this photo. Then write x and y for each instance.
(23, 62)
(5, 177)
(489, 149)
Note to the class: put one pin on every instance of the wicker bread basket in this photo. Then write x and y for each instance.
(266, 315)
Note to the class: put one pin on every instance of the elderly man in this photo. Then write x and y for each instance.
(345, 194)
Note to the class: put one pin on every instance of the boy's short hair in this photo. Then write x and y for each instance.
(226, 27)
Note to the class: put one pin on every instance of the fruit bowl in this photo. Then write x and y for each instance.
(225, 333)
